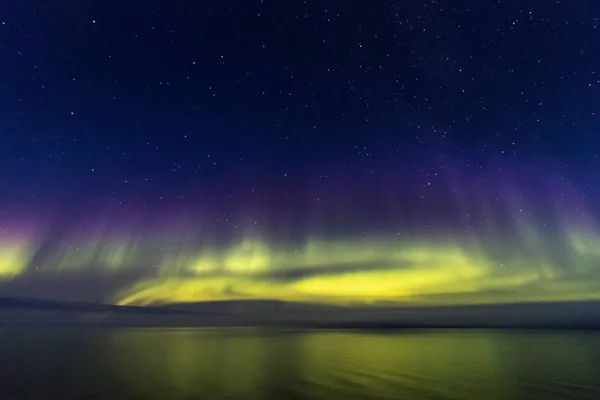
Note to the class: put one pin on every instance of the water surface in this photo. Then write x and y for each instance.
(278, 364)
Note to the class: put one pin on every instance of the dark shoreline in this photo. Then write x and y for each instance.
(273, 314)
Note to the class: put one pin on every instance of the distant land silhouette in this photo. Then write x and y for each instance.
(269, 313)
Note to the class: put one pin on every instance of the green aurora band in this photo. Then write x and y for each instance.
(489, 245)
(522, 266)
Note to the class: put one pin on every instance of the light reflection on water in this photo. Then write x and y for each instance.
(257, 364)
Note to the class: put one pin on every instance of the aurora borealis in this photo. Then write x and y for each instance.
(380, 153)
(474, 255)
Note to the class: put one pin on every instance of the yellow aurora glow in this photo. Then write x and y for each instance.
(14, 258)
(319, 271)
(411, 272)
(365, 270)
(358, 271)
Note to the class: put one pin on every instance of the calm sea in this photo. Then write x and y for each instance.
(269, 364)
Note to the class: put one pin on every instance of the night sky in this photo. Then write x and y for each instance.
(377, 151)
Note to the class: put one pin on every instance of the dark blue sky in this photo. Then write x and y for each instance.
(142, 101)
